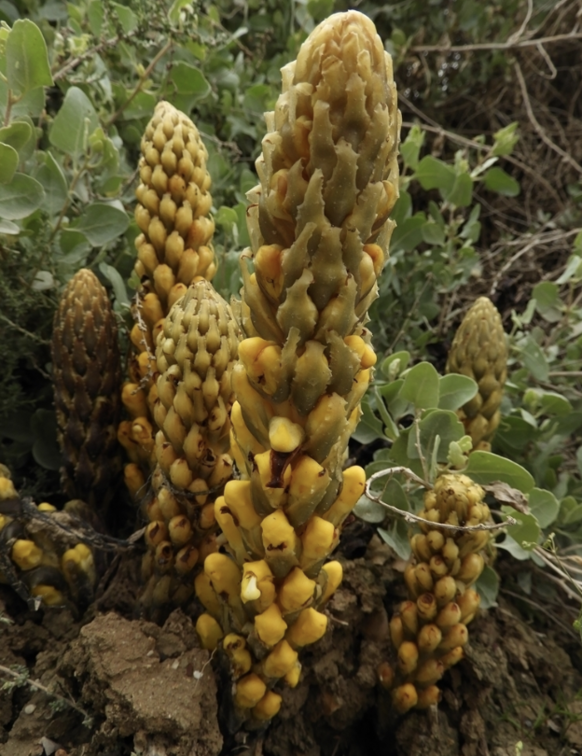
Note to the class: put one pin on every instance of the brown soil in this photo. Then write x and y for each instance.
(151, 691)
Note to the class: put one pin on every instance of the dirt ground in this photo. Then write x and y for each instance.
(151, 691)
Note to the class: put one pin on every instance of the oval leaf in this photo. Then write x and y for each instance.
(74, 122)
(434, 174)
(27, 63)
(487, 586)
(485, 467)
(496, 180)
(16, 135)
(8, 163)
(455, 390)
(101, 223)
(55, 186)
(527, 530)
(369, 511)
(421, 386)
(544, 506)
(20, 197)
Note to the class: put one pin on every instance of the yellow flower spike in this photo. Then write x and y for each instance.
(257, 584)
(155, 533)
(269, 271)
(293, 676)
(224, 574)
(311, 378)
(427, 607)
(180, 530)
(209, 631)
(207, 595)
(318, 540)
(227, 524)
(407, 657)
(280, 542)
(471, 567)
(364, 351)
(429, 672)
(445, 590)
(428, 697)
(457, 635)
(429, 638)
(274, 476)
(452, 657)
(168, 504)
(324, 425)
(237, 495)
(295, 592)
(240, 657)
(309, 482)
(448, 616)
(268, 706)
(308, 628)
(270, 626)
(285, 436)
(46, 507)
(423, 576)
(199, 486)
(186, 560)
(334, 572)
(207, 516)
(386, 675)
(404, 698)
(468, 603)
(353, 487)
(409, 617)
(49, 595)
(281, 660)
(26, 554)
(249, 690)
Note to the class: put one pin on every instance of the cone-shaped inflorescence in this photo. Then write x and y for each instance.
(195, 355)
(430, 629)
(37, 566)
(173, 250)
(479, 350)
(87, 377)
(319, 229)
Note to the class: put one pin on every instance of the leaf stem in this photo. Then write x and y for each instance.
(139, 85)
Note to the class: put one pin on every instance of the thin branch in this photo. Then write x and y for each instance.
(409, 517)
(74, 62)
(33, 336)
(23, 679)
(519, 33)
(497, 45)
(539, 607)
(140, 83)
(536, 124)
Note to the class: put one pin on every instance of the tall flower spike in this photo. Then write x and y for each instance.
(479, 350)
(174, 249)
(430, 629)
(319, 227)
(195, 355)
(87, 376)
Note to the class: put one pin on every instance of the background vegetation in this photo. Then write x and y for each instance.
(490, 202)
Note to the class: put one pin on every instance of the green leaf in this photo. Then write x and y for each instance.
(8, 163)
(487, 586)
(319, 9)
(543, 506)
(126, 17)
(45, 449)
(393, 365)
(8, 228)
(408, 234)
(369, 511)
(570, 511)
(95, 16)
(20, 197)
(421, 386)
(433, 234)
(573, 270)
(410, 148)
(115, 279)
(497, 180)
(534, 359)
(434, 174)
(517, 552)
(370, 427)
(53, 181)
(227, 218)
(189, 80)
(442, 423)
(397, 538)
(17, 134)
(74, 122)
(505, 139)
(455, 390)
(27, 65)
(548, 301)
(461, 192)
(527, 530)
(552, 403)
(485, 467)
(101, 223)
